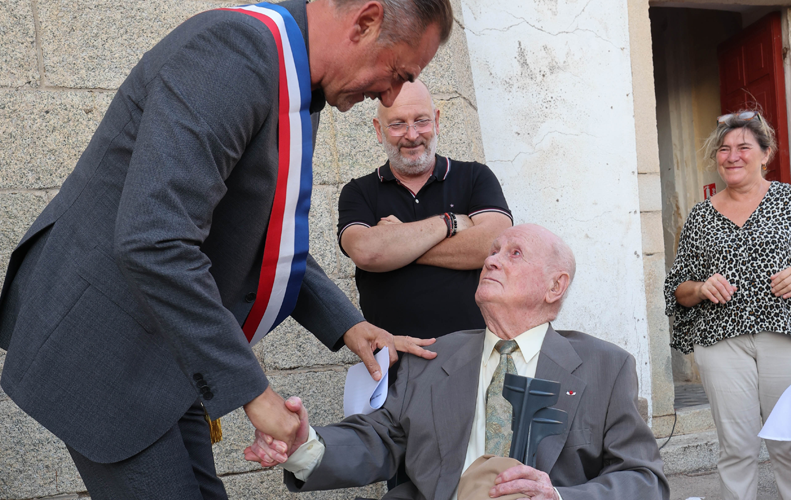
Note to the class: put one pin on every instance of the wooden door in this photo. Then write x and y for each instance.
(751, 73)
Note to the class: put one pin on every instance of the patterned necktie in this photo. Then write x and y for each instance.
(498, 409)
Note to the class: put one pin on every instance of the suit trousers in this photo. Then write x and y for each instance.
(178, 466)
(743, 378)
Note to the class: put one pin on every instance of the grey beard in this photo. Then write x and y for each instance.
(410, 166)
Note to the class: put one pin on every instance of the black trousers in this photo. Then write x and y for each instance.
(178, 466)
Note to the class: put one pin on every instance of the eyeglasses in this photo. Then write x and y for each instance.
(744, 116)
(400, 129)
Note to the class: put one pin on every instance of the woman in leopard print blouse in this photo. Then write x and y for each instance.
(729, 291)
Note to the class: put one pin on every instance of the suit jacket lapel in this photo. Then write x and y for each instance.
(453, 399)
(557, 361)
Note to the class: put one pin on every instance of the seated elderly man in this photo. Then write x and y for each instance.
(436, 413)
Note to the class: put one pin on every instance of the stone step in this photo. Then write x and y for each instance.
(689, 420)
(694, 453)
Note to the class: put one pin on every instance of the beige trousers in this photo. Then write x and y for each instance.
(743, 378)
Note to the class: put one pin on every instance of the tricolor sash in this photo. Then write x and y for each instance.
(286, 245)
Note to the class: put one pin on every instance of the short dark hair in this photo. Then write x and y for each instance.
(407, 20)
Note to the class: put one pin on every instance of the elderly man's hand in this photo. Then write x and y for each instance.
(522, 479)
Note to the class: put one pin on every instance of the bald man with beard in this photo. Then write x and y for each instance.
(419, 227)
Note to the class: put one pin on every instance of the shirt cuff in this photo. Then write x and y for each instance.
(306, 458)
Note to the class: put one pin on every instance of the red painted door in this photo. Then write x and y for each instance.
(751, 73)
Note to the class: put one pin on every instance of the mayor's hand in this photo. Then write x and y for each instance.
(363, 339)
(522, 479)
(269, 451)
(414, 345)
(268, 413)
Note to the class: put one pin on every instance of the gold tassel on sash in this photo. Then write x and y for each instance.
(215, 429)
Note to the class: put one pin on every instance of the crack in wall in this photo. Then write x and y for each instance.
(580, 13)
(453, 97)
(522, 20)
(558, 132)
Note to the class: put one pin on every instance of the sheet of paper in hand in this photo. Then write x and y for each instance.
(778, 425)
(362, 393)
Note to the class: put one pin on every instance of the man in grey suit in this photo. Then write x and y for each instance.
(437, 416)
(122, 306)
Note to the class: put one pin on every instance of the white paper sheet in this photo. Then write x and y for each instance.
(778, 425)
(363, 394)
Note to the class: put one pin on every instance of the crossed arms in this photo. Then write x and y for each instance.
(393, 244)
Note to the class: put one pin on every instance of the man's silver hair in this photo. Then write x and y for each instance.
(407, 20)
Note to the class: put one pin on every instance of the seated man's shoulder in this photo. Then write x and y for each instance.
(595, 349)
(448, 343)
(446, 346)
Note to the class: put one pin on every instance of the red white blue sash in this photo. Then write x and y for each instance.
(286, 246)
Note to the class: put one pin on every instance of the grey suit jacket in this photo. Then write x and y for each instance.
(123, 302)
(607, 452)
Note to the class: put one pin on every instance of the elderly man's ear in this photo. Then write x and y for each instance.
(560, 283)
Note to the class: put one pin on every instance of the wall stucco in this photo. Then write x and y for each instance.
(553, 85)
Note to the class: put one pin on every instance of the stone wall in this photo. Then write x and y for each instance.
(60, 63)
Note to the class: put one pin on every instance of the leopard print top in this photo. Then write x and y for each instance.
(710, 243)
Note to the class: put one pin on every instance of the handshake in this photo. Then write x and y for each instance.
(275, 448)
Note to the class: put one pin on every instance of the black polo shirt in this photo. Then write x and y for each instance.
(419, 300)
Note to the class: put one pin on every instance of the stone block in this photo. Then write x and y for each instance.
(653, 235)
(695, 452)
(325, 155)
(268, 484)
(321, 392)
(457, 15)
(690, 420)
(18, 59)
(690, 453)
(359, 153)
(3, 395)
(291, 346)
(237, 434)
(449, 72)
(43, 134)
(649, 192)
(659, 335)
(17, 213)
(33, 462)
(323, 220)
(346, 267)
(460, 131)
(94, 44)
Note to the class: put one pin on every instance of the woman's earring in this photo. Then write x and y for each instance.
(763, 166)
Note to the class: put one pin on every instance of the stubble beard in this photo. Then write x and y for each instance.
(411, 166)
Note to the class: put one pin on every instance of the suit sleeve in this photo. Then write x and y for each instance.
(323, 308)
(362, 449)
(632, 466)
(192, 131)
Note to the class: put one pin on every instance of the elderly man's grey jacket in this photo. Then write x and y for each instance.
(607, 452)
(123, 302)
